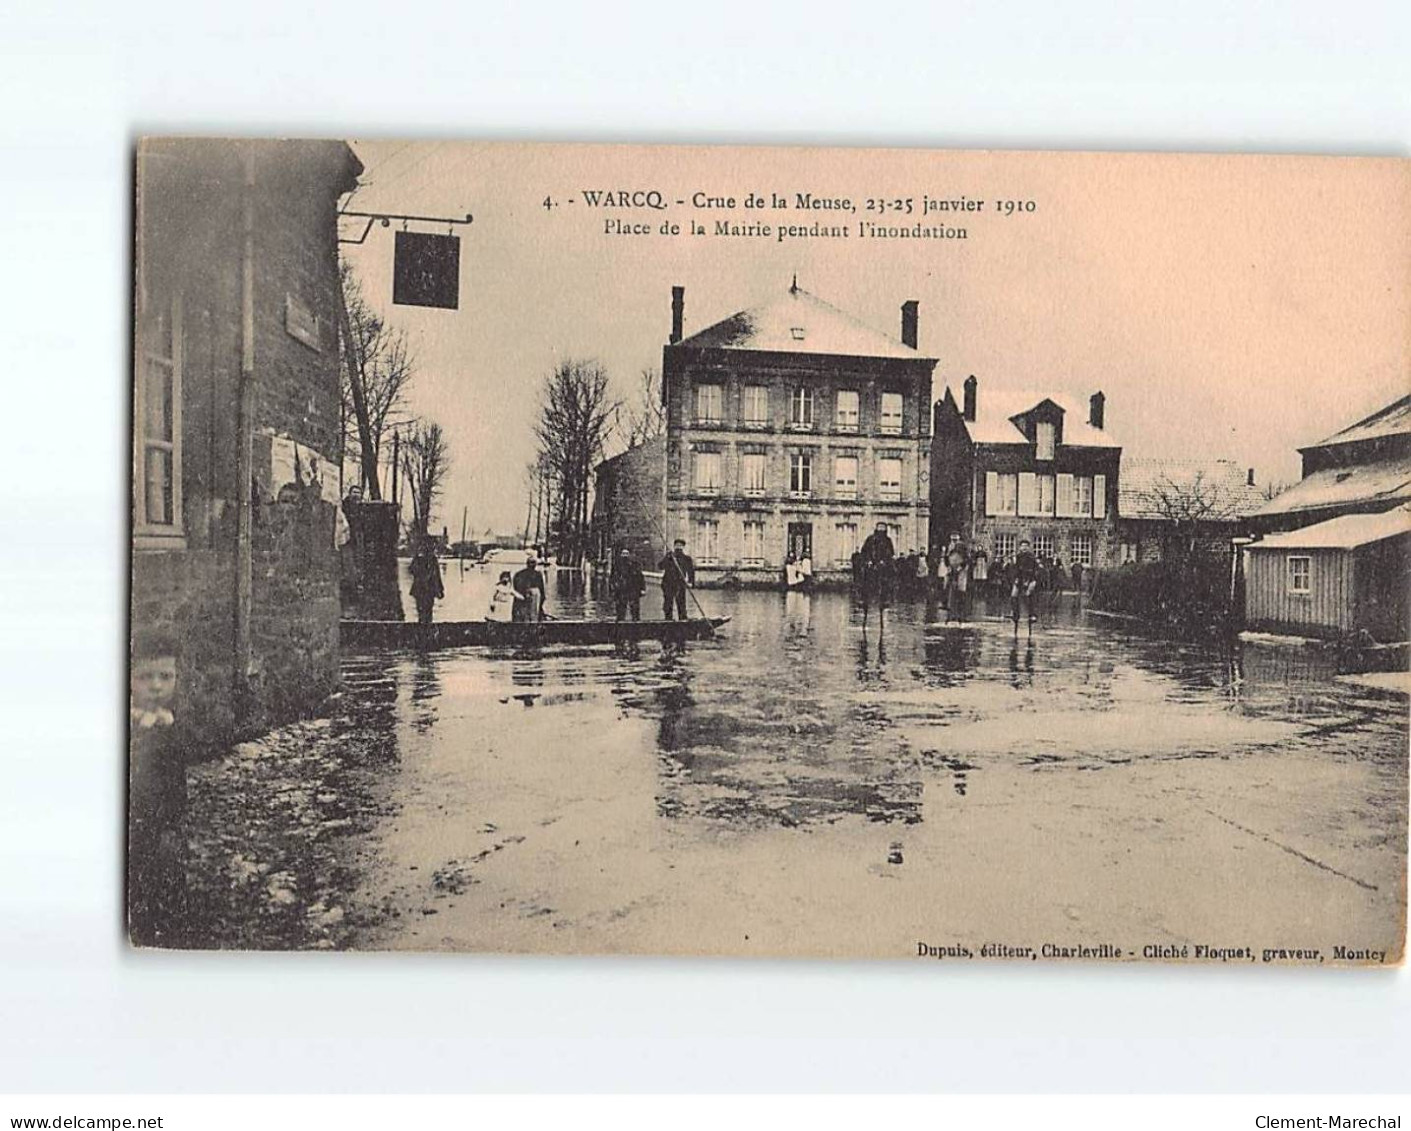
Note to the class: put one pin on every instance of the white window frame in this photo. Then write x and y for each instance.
(747, 461)
(1083, 496)
(1081, 549)
(844, 487)
(1048, 495)
(1001, 492)
(889, 490)
(704, 484)
(890, 423)
(1042, 545)
(847, 420)
(1006, 545)
(146, 533)
(800, 475)
(752, 528)
(754, 393)
(803, 408)
(1293, 573)
(707, 541)
(1045, 440)
(710, 402)
(845, 538)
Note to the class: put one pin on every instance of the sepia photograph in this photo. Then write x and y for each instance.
(931, 555)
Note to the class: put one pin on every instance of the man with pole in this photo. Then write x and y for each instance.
(678, 573)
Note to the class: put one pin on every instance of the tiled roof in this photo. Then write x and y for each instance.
(995, 410)
(798, 322)
(1345, 532)
(1383, 482)
(1206, 490)
(1394, 420)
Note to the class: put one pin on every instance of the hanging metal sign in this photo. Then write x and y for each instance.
(426, 270)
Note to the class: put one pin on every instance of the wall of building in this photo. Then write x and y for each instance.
(629, 503)
(1325, 610)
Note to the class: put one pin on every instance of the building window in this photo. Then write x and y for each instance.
(894, 533)
(707, 541)
(710, 401)
(801, 408)
(756, 406)
(1080, 548)
(845, 419)
(1083, 497)
(1300, 574)
(1005, 546)
(1131, 551)
(1001, 493)
(845, 477)
(754, 543)
(891, 414)
(800, 474)
(889, 478)
(157, 430)
(1047, 496)
(845, 539)
(1043, 545)
(1045, 440)
(708, 473)
(752, 473)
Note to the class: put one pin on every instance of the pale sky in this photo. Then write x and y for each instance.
(1229, 307)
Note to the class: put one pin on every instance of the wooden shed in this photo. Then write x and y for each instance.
(1333, 579)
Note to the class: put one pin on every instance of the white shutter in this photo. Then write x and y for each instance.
(1099, 496)
(1065, 496)
(1028, 493)
(991, 493)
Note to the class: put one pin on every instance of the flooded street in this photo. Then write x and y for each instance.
(799, 785)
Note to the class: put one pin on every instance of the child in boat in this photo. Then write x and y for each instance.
(502, 600)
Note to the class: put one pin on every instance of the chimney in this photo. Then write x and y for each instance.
(909, 322)
(971, 386)
(1097, 403)
(1249, 479)
(678, 312)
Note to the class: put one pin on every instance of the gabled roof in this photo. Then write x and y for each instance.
(1394, 420)
(1202, 490)
(995, 410)
(798, 322)
(1385, 481)
(1346, 532)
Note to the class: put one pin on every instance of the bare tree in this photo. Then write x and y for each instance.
(376, 371)
(645, 417)
(426, 460)
(1187, 505)
(574, 416)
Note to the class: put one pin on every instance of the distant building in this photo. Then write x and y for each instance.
(1008, 465)
(1200, 504)
(629, 503)
(1342, 577)
(1364, 468)
(793, 427)
(236, 430)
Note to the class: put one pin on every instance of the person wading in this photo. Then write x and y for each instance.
(678, 573)
(878, 553)
(627, 586)
(529, 589)
(427, 587)
(1026, 581)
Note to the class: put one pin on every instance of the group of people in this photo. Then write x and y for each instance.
(628, 584)
(519, 596)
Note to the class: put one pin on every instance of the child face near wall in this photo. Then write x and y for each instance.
(153, 682)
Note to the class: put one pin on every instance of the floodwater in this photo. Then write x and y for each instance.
(803, 784)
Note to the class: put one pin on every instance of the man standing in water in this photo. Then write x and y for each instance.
(529, 589)
(878, 553)
(628, 585)
(1026, 580)
(678, 573)
(427, 587)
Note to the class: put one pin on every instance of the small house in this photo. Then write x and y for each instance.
(1338, 578)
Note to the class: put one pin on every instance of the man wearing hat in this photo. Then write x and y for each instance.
(529, 589)
(678, 573)
(628, 585)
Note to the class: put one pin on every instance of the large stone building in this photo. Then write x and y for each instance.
(792, 426)
(236, 429)
(1008, 465)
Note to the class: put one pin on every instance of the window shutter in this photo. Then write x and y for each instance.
(1065, 496)
(1028, 493)
(1099, 496)
(991, 493)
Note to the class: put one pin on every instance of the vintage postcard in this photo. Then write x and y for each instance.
(900, 554)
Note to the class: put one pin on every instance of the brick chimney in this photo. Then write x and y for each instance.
(678, 313)
(971, 388)
(1249, 479)
(909, 318)
(1097, 405)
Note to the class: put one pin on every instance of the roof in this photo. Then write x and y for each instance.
(1346, 532)
(1385, 481)
(1394, 420)
(798, 322)
(1203, 490)
(995, 410)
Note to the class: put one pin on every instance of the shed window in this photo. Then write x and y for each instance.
(1300, 574)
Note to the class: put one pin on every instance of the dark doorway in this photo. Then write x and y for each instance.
(801, 540)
